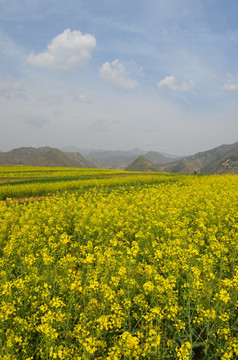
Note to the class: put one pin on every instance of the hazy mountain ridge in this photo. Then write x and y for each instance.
(109, 159)
(120, 159)
(158, 158)
(44, 156)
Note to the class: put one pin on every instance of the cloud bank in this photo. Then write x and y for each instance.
(116, 74)
(67, 51)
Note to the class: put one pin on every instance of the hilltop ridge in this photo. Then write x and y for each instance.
(44, 156)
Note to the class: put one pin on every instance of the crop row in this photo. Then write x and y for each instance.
(49, 187)
(32, 172)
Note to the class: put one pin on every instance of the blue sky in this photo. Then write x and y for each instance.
(114, 74)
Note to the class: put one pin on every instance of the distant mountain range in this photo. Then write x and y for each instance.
(120, 159)
(159, 158)
(108, 159)
(84, 152)
(220, 160)
(44, 156)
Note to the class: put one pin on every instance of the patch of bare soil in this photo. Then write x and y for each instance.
(12, 180)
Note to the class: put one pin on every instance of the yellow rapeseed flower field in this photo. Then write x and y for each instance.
(140, 269)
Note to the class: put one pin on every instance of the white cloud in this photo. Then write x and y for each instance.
(67, 51)
(171, 83)
(116, 74)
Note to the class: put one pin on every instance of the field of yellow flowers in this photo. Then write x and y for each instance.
(27, 181)
(140, 270)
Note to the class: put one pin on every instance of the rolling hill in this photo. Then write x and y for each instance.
(142, 164)
(44, 156)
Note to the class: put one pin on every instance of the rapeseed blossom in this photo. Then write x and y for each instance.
(136, 272)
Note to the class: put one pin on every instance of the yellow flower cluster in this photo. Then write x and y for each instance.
(135, 272)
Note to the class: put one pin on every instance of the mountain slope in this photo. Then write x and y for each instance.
(226, 164)
(202, 161)
(44, 156)
(23, 155)
(142, 164)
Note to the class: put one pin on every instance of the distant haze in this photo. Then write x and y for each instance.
(156, 75)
